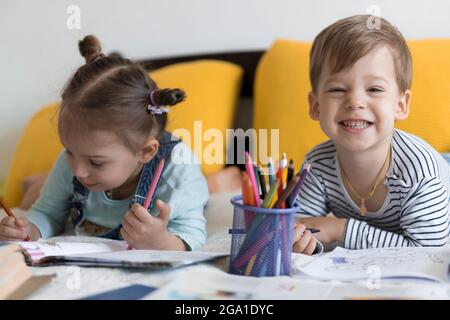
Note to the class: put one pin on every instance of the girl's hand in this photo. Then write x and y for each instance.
(143, 231)
(331, 229)
(304, 242)
(18, 229)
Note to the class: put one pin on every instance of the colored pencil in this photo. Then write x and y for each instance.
(287, 192)
(255, 171)
(247, 199)
(249, 267)
(155, 180)
(303, 173)
(291, 169)
(244, 179)
(251, 175)
(281, 186)
(270, 170)
(153, 185)
(11, 214)
(283, 166)
(271, 193)
(262, 182)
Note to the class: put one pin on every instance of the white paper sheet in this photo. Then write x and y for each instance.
(415, 263)
(208, 283)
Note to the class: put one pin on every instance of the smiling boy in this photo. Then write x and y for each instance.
(385, 187)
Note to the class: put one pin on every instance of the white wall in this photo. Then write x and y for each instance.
(38, 52)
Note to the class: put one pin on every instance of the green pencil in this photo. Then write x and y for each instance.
(271, 193)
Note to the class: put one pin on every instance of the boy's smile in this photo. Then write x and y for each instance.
(358, 106)
(355, 125)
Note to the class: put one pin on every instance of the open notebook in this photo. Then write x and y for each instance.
(394, 263)
(110, 253)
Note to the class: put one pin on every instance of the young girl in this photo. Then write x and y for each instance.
(111, 123)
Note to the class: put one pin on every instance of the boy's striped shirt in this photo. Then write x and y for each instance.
(416, 208)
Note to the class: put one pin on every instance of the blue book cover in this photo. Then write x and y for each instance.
(133, 292)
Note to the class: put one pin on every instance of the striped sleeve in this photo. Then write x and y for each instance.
(312, 196)
(424, 220)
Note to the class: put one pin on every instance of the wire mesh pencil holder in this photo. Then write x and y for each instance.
(261, 241)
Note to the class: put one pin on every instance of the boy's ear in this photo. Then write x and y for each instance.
(402, 111)
(149, 150)
(313, 106)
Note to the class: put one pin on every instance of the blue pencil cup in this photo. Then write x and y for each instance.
(261, 241)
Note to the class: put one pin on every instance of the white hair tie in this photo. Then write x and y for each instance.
(153, 108)
(156, 109)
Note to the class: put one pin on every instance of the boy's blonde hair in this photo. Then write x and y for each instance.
(346, 41)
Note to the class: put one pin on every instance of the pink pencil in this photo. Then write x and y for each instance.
(251, 175)
(152, 188)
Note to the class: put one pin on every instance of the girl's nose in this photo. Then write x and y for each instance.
(80, 171)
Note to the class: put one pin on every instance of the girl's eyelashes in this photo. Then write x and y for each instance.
(91, 162)
(95, 164)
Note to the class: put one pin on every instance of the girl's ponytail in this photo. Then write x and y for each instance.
(167, 97)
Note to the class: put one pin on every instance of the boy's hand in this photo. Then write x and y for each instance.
(331, 229)
(18, 229)
(304, 242)
(143, 231)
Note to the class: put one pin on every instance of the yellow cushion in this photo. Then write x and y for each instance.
(36, 152)
(282, 85)
(212, 89)
(281, 91)
(429, 117)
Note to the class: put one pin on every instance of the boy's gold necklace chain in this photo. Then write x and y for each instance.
(362, 207)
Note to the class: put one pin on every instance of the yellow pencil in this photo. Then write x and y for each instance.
(272, 194)
(274, 200)
(249, 267)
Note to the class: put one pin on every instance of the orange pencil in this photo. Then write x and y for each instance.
(9, 213)
(284, 166)
(247, 198)
(244, 182)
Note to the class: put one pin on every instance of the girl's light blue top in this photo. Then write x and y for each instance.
(182, 186)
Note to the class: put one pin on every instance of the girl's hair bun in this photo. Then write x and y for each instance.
(90, 48)
(168, 97)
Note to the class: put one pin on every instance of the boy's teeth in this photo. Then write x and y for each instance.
(356, 124)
